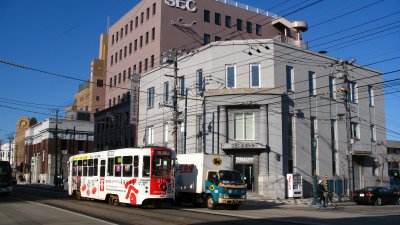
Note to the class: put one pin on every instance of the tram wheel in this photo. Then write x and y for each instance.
(78, 195)
(113, 200)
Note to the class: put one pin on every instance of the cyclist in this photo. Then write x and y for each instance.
(321, 193)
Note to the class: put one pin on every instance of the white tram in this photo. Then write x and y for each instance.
(136, 176)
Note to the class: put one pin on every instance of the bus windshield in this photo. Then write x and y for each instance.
(230, 177)
(5, 173)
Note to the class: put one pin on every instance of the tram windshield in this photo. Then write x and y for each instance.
(161, 165)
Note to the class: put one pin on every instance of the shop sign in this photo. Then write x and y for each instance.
(183, 4)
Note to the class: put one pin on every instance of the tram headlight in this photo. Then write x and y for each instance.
(163, 187)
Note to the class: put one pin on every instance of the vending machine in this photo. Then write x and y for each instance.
(295, 185)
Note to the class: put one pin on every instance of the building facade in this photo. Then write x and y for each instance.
(91, 94)
(42, 148)
(23, 123)
(393, 154)
(138, 40)
(277, 108)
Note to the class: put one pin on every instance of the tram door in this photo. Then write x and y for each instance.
(248, 174)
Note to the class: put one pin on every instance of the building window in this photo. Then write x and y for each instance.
(146, 63)
(373, 133)
(200, 81)
(258, 29)
(230, 76)
(289, 78)
(244, 126)
(120, 54)
(124, 76)
(112, 39)
(109, 103)
(166, 92)
(140, 67)
(116, 36)
(255, 72)
(141, 41)
(152, 61)
(206, 39)
(153, 33)
(228, 21)
(136, 22)
(352, 92)
(148, 13)
(206, 16)
(125, 51)
(116, 57)
(150, 97)
(122, 33)
(312, 83)
(150, 135)
(147, 38)
(135, 46)
(355, 130)
(126, 29)
(99, 83)
(332, 91)
(111, 82)
(249, 27)
(141, 17)
(217, 38)
(115, 80)
(154, 9)
(131, 25)
(239, 24)
(182, 86)
(166, 134)
(112, 60)
(334, 145)
(371, 96)
(218, 18)
(129, 73)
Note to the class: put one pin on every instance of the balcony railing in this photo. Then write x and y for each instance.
(291, 41)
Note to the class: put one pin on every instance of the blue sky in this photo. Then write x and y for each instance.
(62, 36)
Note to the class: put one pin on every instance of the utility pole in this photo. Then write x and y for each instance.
(172, 57)
(349, 153)
(56, 149)
(10, 138)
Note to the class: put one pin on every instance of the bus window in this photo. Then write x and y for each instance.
(146, 166)
(136, 166)
(127, 166)
(95, 167)
(79, 168)
(118, 161)
(103, 168)
(110, 169)
(85, 168)
(90, 168)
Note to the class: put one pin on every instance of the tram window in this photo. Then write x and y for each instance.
(85, 162)
(127, 166)
(95, 167)
(85, 170)
(117, 171)
(74, 168)
(80, 168)
(146, 166)
(103, 168)
(90, 167)
(110, 168)
(136, 166)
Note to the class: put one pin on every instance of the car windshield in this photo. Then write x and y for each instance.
(230, 177)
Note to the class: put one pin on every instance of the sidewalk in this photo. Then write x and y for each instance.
(293, 201)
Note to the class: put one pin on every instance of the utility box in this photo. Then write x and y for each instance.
(295, 185)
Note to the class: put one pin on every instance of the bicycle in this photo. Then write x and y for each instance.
(327, 201)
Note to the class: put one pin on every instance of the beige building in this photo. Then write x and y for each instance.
(90, 96)
(23, 123)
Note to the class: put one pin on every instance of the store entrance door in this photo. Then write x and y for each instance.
(248, 174)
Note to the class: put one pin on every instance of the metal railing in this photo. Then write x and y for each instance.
(249, 8)
(291, 41)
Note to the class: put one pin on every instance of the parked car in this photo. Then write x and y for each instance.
(376, 196)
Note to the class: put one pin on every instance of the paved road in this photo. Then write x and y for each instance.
(30, 205)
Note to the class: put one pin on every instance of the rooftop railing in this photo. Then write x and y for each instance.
(249, 8)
